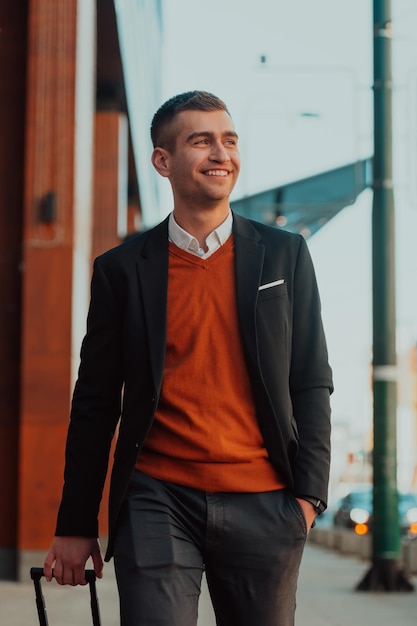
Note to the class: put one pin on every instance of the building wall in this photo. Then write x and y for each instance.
(13, 23)
(59, 35)
(68, 191)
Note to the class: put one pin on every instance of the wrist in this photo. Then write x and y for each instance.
(318, 504)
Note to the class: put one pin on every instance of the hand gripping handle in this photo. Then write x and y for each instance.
(36, 574)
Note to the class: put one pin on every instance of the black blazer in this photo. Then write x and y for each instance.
(122, 364)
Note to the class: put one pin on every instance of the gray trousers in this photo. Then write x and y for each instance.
(249, 544)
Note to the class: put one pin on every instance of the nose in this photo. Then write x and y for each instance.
(219, 153)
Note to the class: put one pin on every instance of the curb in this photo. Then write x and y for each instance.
(345, 542)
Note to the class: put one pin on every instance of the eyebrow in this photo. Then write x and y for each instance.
(227, 133)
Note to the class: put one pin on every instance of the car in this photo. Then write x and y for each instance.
(407, 509)
(355, 512)
(354, 508)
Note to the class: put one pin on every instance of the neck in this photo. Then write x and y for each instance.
(201, 223)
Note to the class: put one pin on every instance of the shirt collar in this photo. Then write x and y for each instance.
(184, 240)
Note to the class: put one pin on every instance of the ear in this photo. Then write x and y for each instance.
(160, 161)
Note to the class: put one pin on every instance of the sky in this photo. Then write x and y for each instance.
(273, 61)
(307, 69)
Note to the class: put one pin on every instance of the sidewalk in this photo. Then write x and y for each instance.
(326, 597)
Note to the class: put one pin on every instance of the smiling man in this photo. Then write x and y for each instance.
(199, 154)
(205, 346)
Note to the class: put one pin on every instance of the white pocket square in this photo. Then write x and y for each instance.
(273, 284)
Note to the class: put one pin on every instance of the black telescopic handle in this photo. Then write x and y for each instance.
(36, 574)
(90, 576)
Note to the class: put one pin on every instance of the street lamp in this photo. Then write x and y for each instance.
(386, 573)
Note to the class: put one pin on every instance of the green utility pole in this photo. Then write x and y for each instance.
(386, 573)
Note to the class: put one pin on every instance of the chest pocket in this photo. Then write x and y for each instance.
(274, 291)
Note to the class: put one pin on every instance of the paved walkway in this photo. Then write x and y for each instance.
(326, 597)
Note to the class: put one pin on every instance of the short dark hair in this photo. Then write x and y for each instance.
(188, 101)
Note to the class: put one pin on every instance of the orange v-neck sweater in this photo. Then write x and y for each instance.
(205, 433)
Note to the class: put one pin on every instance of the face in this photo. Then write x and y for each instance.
(204, 165)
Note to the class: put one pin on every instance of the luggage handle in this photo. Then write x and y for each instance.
(36, 574)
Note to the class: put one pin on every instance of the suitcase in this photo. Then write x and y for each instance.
(36, 574)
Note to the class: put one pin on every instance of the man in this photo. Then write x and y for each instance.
(205, 335)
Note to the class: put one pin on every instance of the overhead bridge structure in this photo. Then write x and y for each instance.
(306, 205)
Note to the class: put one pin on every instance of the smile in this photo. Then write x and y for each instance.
(216, 173)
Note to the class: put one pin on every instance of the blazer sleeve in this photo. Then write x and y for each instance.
(95, 411)
(310, 382)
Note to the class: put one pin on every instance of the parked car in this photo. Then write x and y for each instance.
(355, 512)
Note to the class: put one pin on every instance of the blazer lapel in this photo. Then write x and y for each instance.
(249, 256)
(153, 278)
(152, 270)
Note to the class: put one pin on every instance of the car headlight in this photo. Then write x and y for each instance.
(359, 516)
(411, 515)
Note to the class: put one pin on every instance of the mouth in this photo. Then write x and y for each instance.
(222, 173)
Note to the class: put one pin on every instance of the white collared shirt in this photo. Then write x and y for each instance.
(185, 241)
